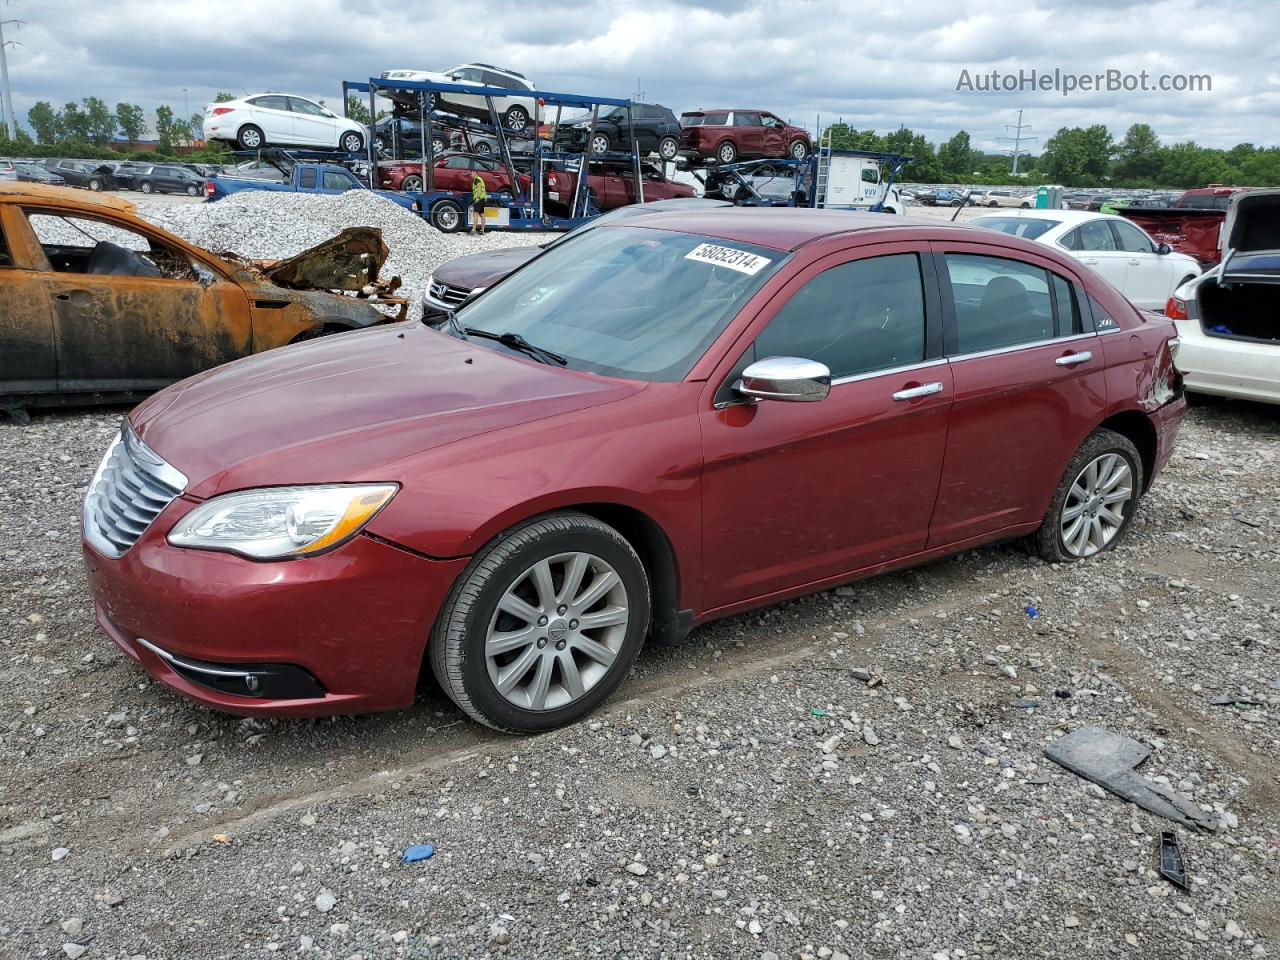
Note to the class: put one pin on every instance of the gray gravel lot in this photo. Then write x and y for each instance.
(745, 795)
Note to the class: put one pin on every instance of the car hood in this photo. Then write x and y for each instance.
(484, 269)
(351, 407)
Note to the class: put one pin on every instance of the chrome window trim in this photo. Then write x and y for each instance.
(1021, 346)
(889, 371)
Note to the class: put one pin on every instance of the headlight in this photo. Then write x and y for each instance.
(280, 522)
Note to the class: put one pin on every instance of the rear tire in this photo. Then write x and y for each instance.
(411, 182)
(668, 148)
(727, 152)
(145, 188)
(193, 191)
(1081, 520)
(516, 118)
(570, 668)
(250, 137)
(447, 216)
(95, 184)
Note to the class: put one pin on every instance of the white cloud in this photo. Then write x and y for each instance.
(876, 66)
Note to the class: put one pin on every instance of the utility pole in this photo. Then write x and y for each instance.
(10, 119)
(1017, 139)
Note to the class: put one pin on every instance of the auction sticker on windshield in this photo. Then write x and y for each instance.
(719, 256)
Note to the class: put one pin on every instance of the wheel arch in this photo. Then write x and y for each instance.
(669, 623)
(1139, 430)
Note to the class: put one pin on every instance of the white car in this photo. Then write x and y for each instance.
(1003, 198)
(1227, 319)
(515, 111)
(281, 119)
(1144, 271)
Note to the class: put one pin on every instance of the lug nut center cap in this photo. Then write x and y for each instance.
(557, 630)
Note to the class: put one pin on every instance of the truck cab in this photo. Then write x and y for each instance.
(857, 183)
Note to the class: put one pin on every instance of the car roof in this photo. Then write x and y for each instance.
(61, 196)
(790, 228)
(1060, 216)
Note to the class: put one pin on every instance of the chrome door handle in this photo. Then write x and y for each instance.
(1135, 262)
(1071, 359)
(924, 390)
(1091, 260)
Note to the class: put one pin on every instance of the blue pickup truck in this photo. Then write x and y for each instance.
(283, 174)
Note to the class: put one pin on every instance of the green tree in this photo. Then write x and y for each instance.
(196, 126)
(73, 123)
(955, 157)
(131, 121)
(357, 111)
(44, 121)
(166, 128)
(1138, 154)
(100, 122)
(222, 97)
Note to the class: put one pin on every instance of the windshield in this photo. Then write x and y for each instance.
(626, 301)
(1027, 227)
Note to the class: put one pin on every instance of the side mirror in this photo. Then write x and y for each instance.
(785, 378)
(1163, 249)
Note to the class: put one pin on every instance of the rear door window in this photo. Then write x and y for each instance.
(715, 119)
(857, 318)
(1094, 235)
(271, 103)
(998, 303)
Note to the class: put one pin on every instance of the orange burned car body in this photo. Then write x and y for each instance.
(98, 305)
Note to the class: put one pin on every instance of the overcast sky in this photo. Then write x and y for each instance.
(876, 65)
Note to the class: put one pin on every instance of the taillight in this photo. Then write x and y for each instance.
(219, 111)
(208, 188)
(1175, 309)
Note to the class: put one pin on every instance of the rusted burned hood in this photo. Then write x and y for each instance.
(349, 261)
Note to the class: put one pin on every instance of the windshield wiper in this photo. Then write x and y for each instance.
(516, 342)
(452, 317)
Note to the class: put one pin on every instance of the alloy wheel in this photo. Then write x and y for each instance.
(599, 144)
(1096, 505)
(557, 631)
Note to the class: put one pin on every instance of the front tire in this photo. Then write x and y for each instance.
(145, 188)
(95, 184)
(600, 144)
(411, 182)
(799, 150)
(1095, 502)
(193, 191)
(352, 142)
(543, 625)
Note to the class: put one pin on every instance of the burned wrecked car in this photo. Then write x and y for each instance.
(97, 305)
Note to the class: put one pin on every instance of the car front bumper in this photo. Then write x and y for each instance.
(339, 633)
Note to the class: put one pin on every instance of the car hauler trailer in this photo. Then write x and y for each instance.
(449, 210)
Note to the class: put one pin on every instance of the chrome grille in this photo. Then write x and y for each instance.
(131, 487)
(448, 295)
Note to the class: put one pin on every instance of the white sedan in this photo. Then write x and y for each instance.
(1229, 337)
(1144, 271)
(281, 120)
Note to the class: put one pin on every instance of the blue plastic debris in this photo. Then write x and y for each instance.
(1032, 612)
(419, 851)
(1220, 328)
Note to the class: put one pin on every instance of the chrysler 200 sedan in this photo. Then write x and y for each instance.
(668, 419)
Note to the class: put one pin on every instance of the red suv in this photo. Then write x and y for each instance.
(613, 188)
(668, 419)
(729, 135)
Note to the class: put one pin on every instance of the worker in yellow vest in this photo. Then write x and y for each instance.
(479, 196)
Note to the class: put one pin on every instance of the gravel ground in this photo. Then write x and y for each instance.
(745, 795)
(262, 224)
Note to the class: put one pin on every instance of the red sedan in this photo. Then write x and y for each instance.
(668, 419)
(451, 173)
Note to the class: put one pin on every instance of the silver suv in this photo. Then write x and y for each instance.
(516, 111)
